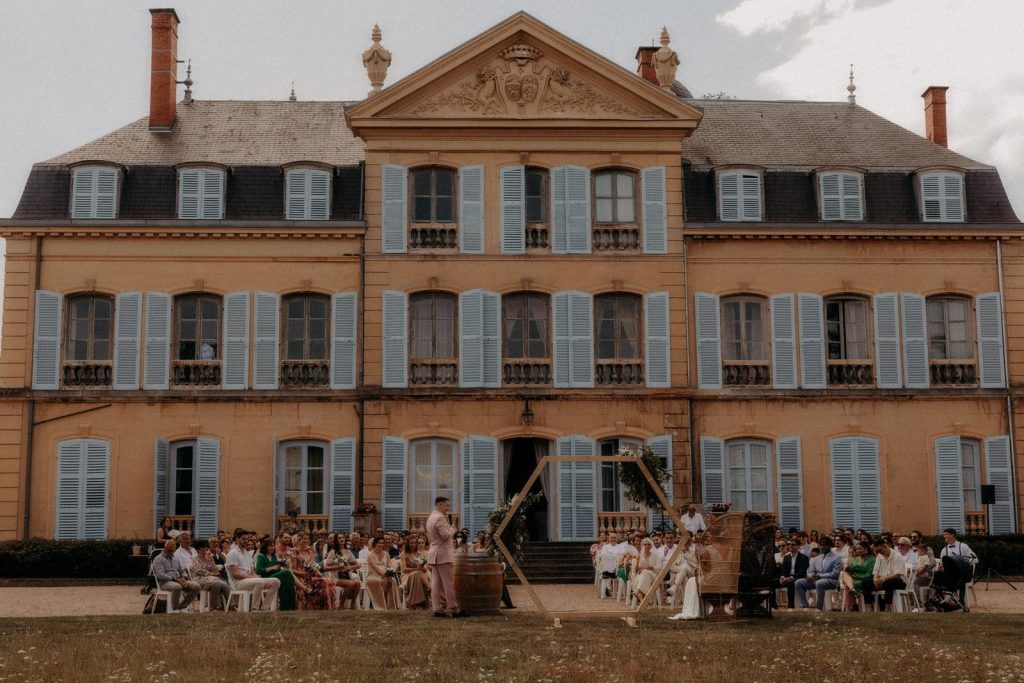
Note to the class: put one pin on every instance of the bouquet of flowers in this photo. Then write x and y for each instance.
(636, 486)
(421, 560)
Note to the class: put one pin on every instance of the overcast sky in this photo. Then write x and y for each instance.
(72, 70)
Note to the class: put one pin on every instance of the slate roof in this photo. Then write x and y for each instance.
(232, 133)
(807, 135)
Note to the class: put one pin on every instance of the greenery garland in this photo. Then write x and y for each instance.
(635, 484)
(516, 533)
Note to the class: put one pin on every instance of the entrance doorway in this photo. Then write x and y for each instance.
(520, 458)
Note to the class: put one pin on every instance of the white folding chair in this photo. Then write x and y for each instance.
(158, 591)
(905, 599)
(364, 595)
(244, 597)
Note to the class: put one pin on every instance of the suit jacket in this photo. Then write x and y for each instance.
(831, 566)
(802, 563)
(440, 534)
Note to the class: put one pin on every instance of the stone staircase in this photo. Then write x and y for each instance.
(555, 563)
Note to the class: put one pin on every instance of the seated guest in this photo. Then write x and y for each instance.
(647, 566)
(357, 546)
(858, 570)
(957, 563)
(319, 592)
(906, 552)
(163, 533)
(185, 552)
(887, 576)
(669, 546)
(693, 521)
(270, 566)
(173, 578)
(608, 557)
(244, 577)
(794, 566)
(924, 572)
(206, 573)
(595, 547)
(342, 567)
(684, 568)
(218, 556)
(415, 581)
(822, 575)
(292, 526)
(378, 583)
(917, 539)
(841, 547)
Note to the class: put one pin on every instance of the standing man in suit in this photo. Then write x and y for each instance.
(441, 558)
(794, 566)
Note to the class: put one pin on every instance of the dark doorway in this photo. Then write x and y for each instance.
(520, 459)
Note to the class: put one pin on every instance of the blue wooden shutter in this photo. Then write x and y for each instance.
(868, 484)
(393, 483)
(318, 198)
(491, 339)
(655, 218)
(127, 330)
(729, 196)
(844, 485)
(236, 341)
(709, 344)
(189, 193)
(791, 485)
(953, 197)
(750, 193)
(95, 490)
(712, 469)
(207, 487)
(783, 342)
(562, 341)
(852, 196)
(46, 341)
(480, 481)
(266, 341)
(161, 468)
(394, 328)
(212, 207)
(394, 214)
(812, 342)
(991, 370)
(573, 336)
(915, 340)
(656, 340)
(887, 342)
(831, 197)
(559, 217)
(278, 475)
(577, 490)
(70, 464)
(297, 194)
(471, 209)
(513, 209)
(343, 484)
(95, 193)
(577, 209)
(1002, 515)
(662, 447)
(344, 313)
(158, 341)
(949, 485)
(471, 361)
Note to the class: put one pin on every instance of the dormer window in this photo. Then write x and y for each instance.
(942, 197)
(841, 196)
(739, 195)
(201, 193)
(94, 192)
(307, 194)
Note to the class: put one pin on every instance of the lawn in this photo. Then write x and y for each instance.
(407, 646)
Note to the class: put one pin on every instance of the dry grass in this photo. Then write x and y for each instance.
(520, 647)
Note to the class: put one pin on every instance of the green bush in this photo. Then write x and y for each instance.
(43, 558)
(1004, 553)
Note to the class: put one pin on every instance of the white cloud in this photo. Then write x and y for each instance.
(900, 48)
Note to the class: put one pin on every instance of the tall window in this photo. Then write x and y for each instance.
(748, 465)
(744, 326)
(614, 197)
(89, 321)
(536, 195)
(617, 323)
(303, 476)
(433, 472)
(613, 496)
(198, 327)
(305, 327)
(433, 325)
(949, 328)
(970, 474)
(433, 195)
(525, 333)
(846, 321)
(183, 477)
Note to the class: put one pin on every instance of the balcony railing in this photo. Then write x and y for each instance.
(537, 237)
(433, 237)
(311, 524)
(526, 371)
(746, 373)
(418, 522)
(617, 238)
(436, 372)
(851, 373)
(621, 522)
(195, 373)
(618, 373)
(79, 373)
(954, 372)
(975, 522)
(183, 522)
(304, 373)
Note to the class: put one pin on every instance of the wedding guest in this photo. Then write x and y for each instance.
(822, 575)
(378, 583)
(342, 567)
(173, 578)
(270, 566)
(693, 521)
(415, 581)
(163, 532)
(648, 563)
(357, 546)
(907, 554)
(794, 566)
(206, 573)
(218, 556)
(887, 576)
(924, 572)
(319, 592)
(292, 526)
(243, 576)
(185, 553)
(858, 571)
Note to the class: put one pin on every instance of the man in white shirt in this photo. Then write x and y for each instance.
(185, 552)
(357, 547)
(693, 521)
(243, 576)
(888, 575)
(842, 547)
(957, 564)
(906, 552)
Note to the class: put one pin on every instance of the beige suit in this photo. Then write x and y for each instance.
(441, 557)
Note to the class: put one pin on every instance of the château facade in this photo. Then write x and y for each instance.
(228, 311)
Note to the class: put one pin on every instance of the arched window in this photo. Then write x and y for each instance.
(302, 475)
(432, 348)
(89, 322)
(748, 475)
(432, 473)
(305, 327)
(615, 197)
(433, 195)
(744, 329)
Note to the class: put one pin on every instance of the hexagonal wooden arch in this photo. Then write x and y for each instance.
(518, 498)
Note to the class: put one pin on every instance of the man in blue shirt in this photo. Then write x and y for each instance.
(822, 575)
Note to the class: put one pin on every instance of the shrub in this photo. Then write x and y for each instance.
(46, 558)
(1004, 553)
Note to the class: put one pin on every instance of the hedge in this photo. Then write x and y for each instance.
(1003, 554)
(48, 559)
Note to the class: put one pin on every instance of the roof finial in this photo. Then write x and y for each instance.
(292, 98)
(851, 98)
(376, 60)
(188, 84)
(666, 61)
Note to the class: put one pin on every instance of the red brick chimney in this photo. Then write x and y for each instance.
(645, 63)
(163, 83)
(935, 114)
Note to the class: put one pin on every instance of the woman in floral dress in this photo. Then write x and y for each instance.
(319, 593)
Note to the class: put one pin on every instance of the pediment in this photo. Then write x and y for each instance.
(523, 69)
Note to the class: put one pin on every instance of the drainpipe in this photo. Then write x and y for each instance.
(1006, 366)
(30, 436)
(361, 345)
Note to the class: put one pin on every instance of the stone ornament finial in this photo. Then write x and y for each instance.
(852, 89)
(666, 61)
(376, 60)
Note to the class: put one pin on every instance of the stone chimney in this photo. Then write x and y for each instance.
(163, 80)
(645, 63)
(935, 114)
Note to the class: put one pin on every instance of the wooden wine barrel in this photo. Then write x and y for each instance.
(478, 583)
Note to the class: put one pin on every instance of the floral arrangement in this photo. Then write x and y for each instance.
(366, 507)
(635, 484)
(721, 507)
(516, 533)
